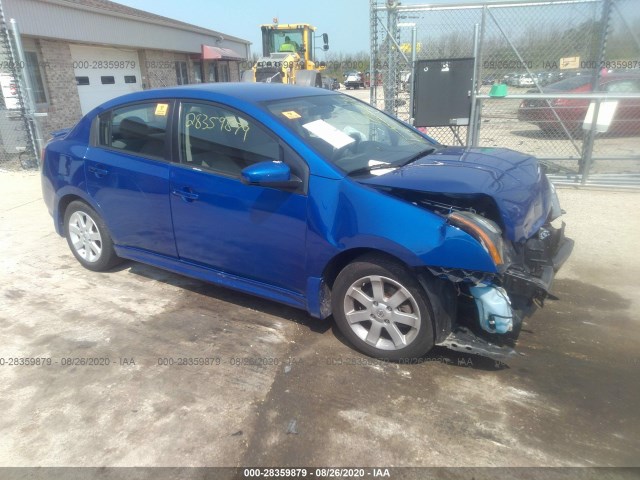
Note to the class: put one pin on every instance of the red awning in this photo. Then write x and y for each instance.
(219, 53)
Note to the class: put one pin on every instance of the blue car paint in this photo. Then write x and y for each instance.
(512, 179)
(269, 171)
(250, 231)
(255, 226)
(63, 175)
(134, 196)
(351, 216)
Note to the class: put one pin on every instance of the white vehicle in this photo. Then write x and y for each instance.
(523, 80)
(9, 91)
(353, 80)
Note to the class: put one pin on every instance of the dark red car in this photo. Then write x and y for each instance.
(572, 112)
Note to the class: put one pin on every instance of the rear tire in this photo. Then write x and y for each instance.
(88, 237)
(381, 308)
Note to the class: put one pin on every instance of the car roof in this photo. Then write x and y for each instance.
(245, 92)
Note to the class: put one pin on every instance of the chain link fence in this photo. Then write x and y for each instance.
(18, 128)
(542, 52)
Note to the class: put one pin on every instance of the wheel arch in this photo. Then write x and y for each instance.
(61, 207)
(342, 259)
(441, 293)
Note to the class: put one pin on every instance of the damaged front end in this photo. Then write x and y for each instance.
(492, 306)
(505, 202)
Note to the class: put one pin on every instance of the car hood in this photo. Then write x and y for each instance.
(513, 180)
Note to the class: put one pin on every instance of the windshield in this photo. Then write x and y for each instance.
(285, 41)
(571, 83)
(350, 134)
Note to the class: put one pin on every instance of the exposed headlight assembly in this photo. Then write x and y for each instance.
(486, 232)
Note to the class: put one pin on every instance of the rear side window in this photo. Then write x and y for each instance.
(139, 129)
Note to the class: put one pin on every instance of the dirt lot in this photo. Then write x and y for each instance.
(571, 400)
(500, 127)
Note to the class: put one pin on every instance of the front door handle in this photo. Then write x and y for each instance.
(186, 194)
(98, 171)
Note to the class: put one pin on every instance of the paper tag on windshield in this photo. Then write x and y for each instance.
(329, 133)
(291, 115)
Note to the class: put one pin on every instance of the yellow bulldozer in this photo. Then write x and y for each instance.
(288, 55)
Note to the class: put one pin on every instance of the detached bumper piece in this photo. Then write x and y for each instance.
(464, 340)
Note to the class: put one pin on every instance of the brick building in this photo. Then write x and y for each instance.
(80, 53)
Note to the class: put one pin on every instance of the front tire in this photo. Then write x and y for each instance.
(382, 310)
(88, 237)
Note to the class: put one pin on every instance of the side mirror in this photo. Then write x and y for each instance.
(273, 174)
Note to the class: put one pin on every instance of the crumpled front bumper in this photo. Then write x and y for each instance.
(531, 277)
(527, 282)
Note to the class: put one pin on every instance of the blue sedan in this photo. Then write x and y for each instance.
(316, 200)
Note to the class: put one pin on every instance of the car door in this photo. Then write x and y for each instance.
(251, 231)
(127, 171)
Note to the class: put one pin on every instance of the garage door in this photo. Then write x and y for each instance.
(104, 73)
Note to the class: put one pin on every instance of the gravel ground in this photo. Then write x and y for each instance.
(571, 400)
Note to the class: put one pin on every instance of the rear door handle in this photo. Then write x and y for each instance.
(186, 194)
(98, 171)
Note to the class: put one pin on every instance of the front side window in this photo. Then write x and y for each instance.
(220, 140)
(139, 129)
(349, 133)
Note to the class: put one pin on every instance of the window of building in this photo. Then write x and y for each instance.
(197, 72)
(34, 70)
(223, 71)
(182, 76)
(213, 76)
(139, 129)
